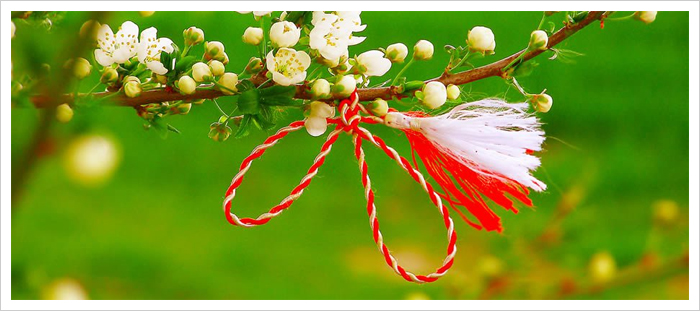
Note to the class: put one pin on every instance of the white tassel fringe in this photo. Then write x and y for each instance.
(489, 136)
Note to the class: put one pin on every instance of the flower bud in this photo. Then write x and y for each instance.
(345, 86)
(481, 39)
(321, 89)
(90, 29)
(254, 66)
(91, 160)
(187, 85)
(434, 94)
(213, 50)
(146, 13)
(423, 50)
(229, 81)
(193, 36)
(321, 110)
(64, 113)
(131, 78)
(602, 267)
(453, 92)
(80, 67)
(160, 78)
(109, 76)
(183, 108)
(223, 59)
(253, 35)
(316, 126)
(217, 68)
(219, 131)
(538, 40)
(541, 102)
(13, 29)
(284, 34)
(373, 64)
(132, 89)
(396, 52)
(201, 72)
(666, 212)
(378, 107)
(645, 16)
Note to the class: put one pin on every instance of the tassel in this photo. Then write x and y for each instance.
(479, 148)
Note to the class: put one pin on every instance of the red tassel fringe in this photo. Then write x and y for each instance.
(463, 186)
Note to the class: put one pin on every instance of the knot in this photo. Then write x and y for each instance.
(349, 113)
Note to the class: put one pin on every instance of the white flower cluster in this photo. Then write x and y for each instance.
(125, 44)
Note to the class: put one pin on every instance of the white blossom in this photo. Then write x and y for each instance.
(284, 34)
(332, 33)
(423, 50)
(434, 94)
(288, 66)
(373, 64)
(481, 39)
(119, 47)
(150, 48)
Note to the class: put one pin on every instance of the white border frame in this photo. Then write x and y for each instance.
(694, 108)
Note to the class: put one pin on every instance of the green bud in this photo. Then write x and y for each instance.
(321, 89)
(255, 65)
(64, 113)
(80, 67)
(219, 131)
(132, 89)
(183, 108)
(453, 92)
(201, 72)
(538, 40)
(541, 102)
(217, 68)
(378, 107)
(229, 80)
(193, 36)
(423, 50)
(109, 76)
(214, 50)
(187, 85)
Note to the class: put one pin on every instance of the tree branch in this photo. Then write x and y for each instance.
(366, 94)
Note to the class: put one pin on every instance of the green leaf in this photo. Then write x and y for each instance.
(264, 121)
(280, 101)
(279, 96)
(304, 41)
(245, 85)
(173, 129)
(413, 85)
(278, 90)
(550, 27)
(525, 69)
(249, 102)
(185, 63)
(244, 128)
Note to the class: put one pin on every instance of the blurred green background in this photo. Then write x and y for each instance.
(616, 162)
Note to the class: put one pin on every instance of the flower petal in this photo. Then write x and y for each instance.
(102, 58)
(105, 38)
(122, 54)
(165, 44)
(157, 67)
(356, 40)
(281, 79)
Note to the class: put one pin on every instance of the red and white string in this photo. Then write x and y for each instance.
(348, 121)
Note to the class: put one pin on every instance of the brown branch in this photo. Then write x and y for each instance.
(491, 70)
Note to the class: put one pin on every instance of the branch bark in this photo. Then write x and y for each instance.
(366, 94)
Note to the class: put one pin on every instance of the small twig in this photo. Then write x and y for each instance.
(365, 94)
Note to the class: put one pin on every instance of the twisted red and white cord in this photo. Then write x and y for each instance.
(348, 121)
